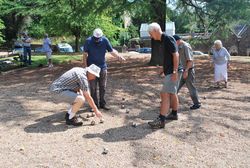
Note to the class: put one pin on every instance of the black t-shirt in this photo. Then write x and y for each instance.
(169, 47)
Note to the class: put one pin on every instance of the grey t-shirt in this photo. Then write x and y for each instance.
(26, 41)
(220, 56)
(186, 53)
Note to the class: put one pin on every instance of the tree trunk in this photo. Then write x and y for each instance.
(77, 33)
(77, 43)
(159, 17)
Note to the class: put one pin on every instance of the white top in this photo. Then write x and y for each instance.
(220, 56)
(47, 44)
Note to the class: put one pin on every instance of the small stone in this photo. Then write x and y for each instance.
(90, 115)
(105, 151)
(222, 135)
(127, 111)
(101, 121)
(92, 122)
(134, 125)
(122, 106)
(205, 97)
(123, 99)
(21, 149)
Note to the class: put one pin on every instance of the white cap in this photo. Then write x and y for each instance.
(97, 33)
(95, 70)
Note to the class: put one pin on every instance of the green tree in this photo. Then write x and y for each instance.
(213, 14)
(58, 17)
(1, 28)
(1, 34)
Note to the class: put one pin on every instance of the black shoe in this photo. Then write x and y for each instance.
(104, 107)
(74, 121)
(157, 123)
(195, 106)
(171, 116)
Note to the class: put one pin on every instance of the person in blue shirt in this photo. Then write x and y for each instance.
(95, 48)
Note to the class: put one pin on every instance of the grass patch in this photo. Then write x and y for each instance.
(39, 60)
(56, 59)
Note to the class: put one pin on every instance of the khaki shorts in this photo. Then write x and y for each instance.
(170, 86)
(66, 96)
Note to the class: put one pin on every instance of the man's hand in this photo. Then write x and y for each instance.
(185, 74)
(161, 74)
(115, 53)
(121, 58)
(174, 76)
(98, 114)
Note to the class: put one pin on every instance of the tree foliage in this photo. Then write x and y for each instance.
(1, 28)
(80, 17)
(210, 15)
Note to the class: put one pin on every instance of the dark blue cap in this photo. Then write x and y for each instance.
(176, 37)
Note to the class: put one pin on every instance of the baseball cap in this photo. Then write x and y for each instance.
(176, 37)
(95, 70)
(97, 33)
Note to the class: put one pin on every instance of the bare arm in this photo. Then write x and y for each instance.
(91, 103)
(114, 53)
(188, 66)
(175, 60)
(175, 66)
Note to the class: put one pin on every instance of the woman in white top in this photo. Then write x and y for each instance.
(47, 45)
(220, 60)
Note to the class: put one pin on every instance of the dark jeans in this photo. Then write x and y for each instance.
(102, 82)
(27, 51)
(190, 85)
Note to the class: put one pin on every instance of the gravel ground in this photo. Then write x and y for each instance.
(33, 131)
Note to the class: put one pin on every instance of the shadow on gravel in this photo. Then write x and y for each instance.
(49, 124)
(124, 133)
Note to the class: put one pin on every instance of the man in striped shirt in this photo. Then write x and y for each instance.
(72, 87)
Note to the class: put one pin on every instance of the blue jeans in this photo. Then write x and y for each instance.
(102, 82)
(190, 85)
(27, 51)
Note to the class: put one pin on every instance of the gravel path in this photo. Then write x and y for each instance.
(33, 131)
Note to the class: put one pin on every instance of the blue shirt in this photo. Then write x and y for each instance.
(96, 51)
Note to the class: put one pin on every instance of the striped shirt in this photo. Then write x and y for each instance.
(73, 80)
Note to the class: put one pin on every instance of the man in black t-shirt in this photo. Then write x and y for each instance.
(172, 77)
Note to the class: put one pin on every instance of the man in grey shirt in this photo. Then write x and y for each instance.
(26, 48)
(73, 88)
(188, 76)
